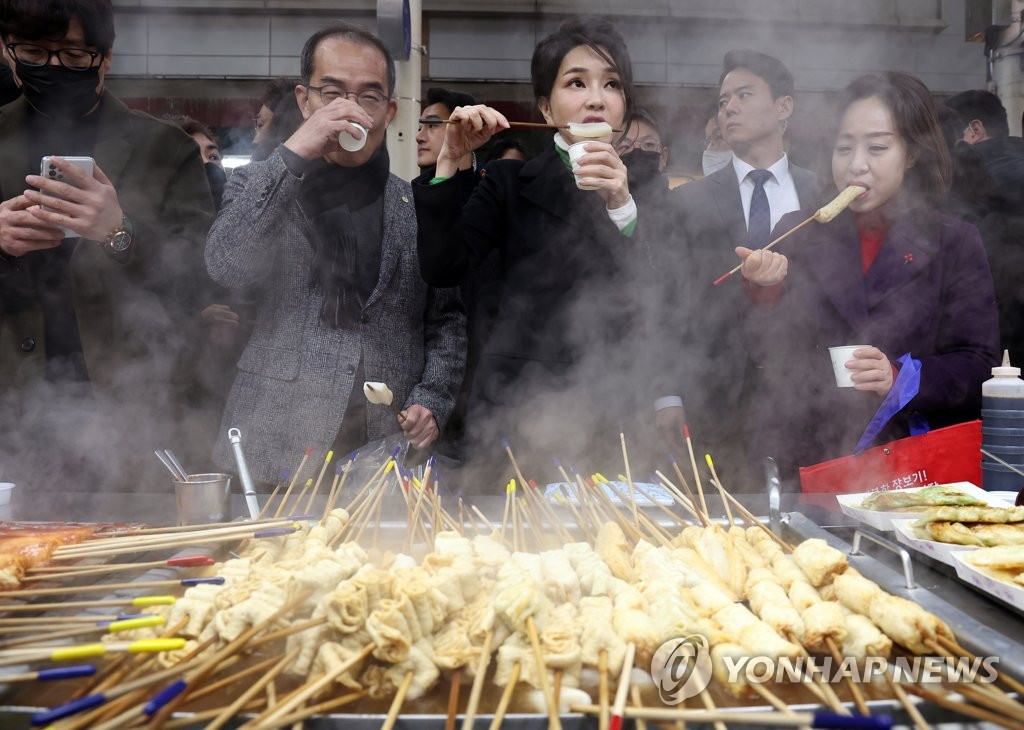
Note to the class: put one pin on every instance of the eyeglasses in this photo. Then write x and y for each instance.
(371, 101)
(76, 59)
(626, 146)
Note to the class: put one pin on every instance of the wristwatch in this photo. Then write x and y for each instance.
(120, 239)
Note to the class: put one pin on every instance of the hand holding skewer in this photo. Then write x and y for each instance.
(762, 267)
(468, 128)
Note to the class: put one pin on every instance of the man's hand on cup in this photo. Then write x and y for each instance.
(21, 232)
(83, 204)
(419, 426)
(872, 371)
(762, 268)
(318, 135)
(469, 127)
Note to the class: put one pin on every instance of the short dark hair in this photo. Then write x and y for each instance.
(501, 146)
(599, 35)
(349, 32)
(913, 112)
(276, 89)
(645, 115)
(37, 20)
(449, 98)
(191, 126)
(984, 106)
(770, 69)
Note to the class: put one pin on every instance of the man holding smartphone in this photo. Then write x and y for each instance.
(99, 272)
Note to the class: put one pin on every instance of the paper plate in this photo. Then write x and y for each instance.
(1011, 593)
(941, 551)
(850, 505)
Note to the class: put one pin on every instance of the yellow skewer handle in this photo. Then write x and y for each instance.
(148, 645)
(135, 623)
(143, 601)
(71, 653)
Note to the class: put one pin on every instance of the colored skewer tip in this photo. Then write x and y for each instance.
(191, 561)
(164, 696)
(851, 722)
(396, 451)
(309, 451)
(504, 443)
(686, 431)
(286, 474)
(330, 455)
(707, 458)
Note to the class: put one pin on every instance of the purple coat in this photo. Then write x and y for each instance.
(929, 292)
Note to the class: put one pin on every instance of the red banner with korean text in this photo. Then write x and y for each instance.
(951, 454)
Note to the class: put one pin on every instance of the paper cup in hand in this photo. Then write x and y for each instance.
(576, 151)
(840, 356)
(351, 143)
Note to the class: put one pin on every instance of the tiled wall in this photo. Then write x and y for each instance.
(674, 42)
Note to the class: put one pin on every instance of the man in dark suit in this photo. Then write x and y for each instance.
(326, 237)
(736, 206)
(98, 287)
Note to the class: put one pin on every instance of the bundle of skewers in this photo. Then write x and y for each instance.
(552, 608)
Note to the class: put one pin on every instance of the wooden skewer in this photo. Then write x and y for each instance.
(296, 718)
(602, 690)
(858, 696)
(684, 502)
(721, 490)
(953, 646)
(455, 682)
(689, 495)
(201, 561)
(531, 125)
(770, 697)
(100, 588)
(634, 697)
(732, 717)
(770, 246)
(506, 697)
(199, 717)
(270, 499)
(709, 705)
(311, 688)
(963, 708)
(291, 484)
(825, 692)
(618, 709)
(554, 716)
(396, 703)
(319, 480)
(696, 473)
(101, 548)
(231, 679)
(305, 488)
(478, 681)
(912, 712)
(629, 478)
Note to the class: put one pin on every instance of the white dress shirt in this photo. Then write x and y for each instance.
(779, 188)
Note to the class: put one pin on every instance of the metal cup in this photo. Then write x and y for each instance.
(204, 498)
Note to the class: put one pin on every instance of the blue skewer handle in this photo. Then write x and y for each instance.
(164, 696)
(215, 580)
(78, 670)
(277, 532)
(69, 708)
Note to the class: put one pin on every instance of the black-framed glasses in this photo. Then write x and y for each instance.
(76, 59)
(626, 146)
(371, 101)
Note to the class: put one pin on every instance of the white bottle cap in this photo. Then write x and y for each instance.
(349, 142)
(1005, 370)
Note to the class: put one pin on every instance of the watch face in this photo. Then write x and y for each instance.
(120, 241)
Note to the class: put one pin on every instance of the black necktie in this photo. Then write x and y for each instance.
(759, 227)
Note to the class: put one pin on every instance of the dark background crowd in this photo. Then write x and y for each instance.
(157, 297)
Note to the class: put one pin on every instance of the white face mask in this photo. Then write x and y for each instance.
(715, 160)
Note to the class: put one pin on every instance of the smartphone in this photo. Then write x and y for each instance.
(48, 170)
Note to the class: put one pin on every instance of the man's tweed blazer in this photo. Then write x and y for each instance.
(295, 376)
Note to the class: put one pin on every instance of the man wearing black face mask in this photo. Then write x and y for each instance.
(642, 152)
(99, 273)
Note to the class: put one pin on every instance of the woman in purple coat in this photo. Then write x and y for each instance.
(890, 273)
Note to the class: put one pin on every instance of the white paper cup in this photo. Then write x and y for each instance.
(351, 143)
(204, 498)
(840, 356)
(576, 151)
(6, 488)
